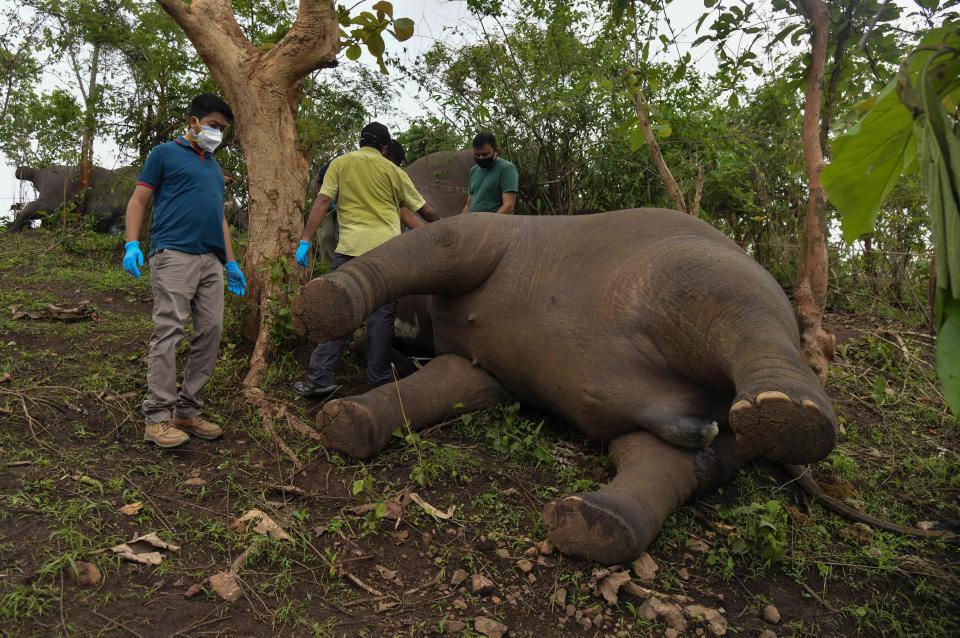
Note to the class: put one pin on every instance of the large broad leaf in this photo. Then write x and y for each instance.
(948, 351)
(868, 160)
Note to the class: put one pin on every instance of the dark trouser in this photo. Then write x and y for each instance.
(324, 358)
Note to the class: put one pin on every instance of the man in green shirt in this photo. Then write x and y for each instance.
(493, 181)
(369, 190)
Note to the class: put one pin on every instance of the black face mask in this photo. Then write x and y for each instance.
(485, 162)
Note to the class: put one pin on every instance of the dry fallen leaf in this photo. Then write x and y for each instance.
(645, 568)
(195, 482)
(264, 525)
(144, 549)
(226, 586)
(6, 376)
(926, 524)
(698, 545)
(609, 584)
(386, 574)
(131, 509)
(193, 590)
(400, 537)
(383, 606)
(430, 509)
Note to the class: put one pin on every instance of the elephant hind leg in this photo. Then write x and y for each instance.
(616, 523)
(781, 410)
(361, 426)
(785, 428)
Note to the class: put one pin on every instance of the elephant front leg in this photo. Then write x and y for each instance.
(618, 522)
(361, 426)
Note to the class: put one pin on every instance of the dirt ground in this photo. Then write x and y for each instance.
(442, 532)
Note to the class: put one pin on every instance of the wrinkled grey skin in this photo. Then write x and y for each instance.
(442, 179)
(57, 185)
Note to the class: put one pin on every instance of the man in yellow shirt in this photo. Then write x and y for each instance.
(369, 190)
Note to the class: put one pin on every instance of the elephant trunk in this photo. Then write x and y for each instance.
(449, 257)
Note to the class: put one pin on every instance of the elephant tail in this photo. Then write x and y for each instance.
(800, 474)
(449, 257)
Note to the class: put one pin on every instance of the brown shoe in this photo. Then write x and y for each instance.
(163, 434)
(198, 427)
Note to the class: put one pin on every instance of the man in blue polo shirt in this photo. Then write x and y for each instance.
(190, 246)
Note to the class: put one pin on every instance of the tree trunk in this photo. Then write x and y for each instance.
(263, 87)
(672, 187)
(89, 123)
(277, 176)
(811, 294)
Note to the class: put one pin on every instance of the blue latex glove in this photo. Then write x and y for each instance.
(132, 258)
(303, 252)
(236, 282)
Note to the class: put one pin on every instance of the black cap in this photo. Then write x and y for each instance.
(375, 134)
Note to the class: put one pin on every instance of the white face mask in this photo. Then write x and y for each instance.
(209, 138)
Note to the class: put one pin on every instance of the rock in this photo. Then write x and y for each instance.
(531, 578)
(560, 597)
(670, 632)
(645, 568)
(460, 604)
(671, 614)
(570, 610)
(489, 627)
(454, 626)
(586, 623)
(480, 584)
(496, 600)
(503, 552)
(545, 547)
(771, 615)
(766, 633)
(597, 620)
(88, 574)
(458, 577)
(716, 623)
(531, 552)
(525, 565)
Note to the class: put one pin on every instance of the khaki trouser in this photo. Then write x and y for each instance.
(183, 285)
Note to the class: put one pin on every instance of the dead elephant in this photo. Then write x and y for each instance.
(59, 185)
(646, 328)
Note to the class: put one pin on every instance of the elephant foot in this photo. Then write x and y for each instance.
(327, 308)
(794, 430)
(598, 526)
(351, 427)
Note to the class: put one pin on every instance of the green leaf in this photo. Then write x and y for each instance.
(403, 29)
(868, 160)
(375, 44)
(353, 52)
(636, 139)
(733, 101)
(948, 351)
(384, 7)
(357, 487)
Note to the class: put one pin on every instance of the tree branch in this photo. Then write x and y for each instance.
(672, 188)
(311, 43)
(213, 30)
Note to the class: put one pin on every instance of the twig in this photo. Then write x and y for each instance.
(362, 585)
(114, 622)
(817, 597)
